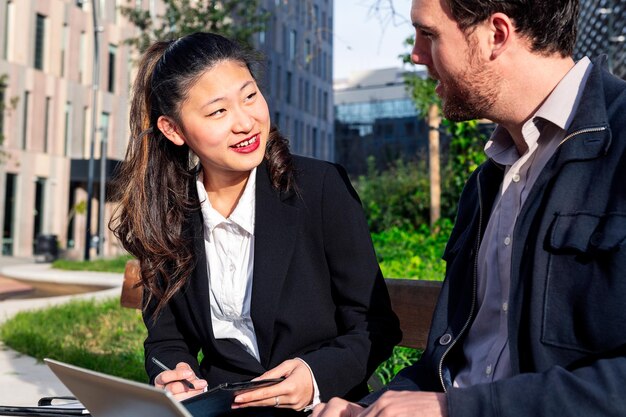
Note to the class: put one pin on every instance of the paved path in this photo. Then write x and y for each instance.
(22, 379)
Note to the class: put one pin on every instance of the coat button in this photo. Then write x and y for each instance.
(445, 339)
(596, 238)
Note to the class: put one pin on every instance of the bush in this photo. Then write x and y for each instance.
(395, 198)
(413, 254)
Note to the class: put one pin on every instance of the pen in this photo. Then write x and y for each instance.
(165, 368)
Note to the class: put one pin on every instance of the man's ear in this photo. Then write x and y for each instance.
(170, 130)
(502, 33)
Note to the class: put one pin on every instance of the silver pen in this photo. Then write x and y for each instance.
(165, 368)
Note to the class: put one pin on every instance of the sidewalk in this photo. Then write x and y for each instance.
(22, 380)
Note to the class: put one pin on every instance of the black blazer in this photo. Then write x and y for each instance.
(317, 292)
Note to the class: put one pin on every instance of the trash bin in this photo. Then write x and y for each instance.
(46, 248)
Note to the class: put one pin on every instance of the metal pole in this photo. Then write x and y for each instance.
(94, 113)
(103, 182)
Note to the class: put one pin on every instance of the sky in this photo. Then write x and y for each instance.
(369, 39)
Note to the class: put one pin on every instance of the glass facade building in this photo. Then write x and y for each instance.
(376, 117)
(298, 86)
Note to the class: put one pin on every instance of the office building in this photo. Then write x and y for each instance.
(375, 116)
(298, 46)
(47, 54)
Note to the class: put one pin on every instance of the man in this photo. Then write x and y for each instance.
(531, 320)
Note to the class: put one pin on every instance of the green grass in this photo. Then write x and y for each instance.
(102, 336)
(98, 265)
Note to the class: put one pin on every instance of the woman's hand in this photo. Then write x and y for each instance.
(296, 391)
(172, 381)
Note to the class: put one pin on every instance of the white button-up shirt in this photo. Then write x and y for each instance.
(229, 246)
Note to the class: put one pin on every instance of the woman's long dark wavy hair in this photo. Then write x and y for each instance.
(153, 186)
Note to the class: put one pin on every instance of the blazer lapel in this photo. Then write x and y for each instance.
(275, 232)
(198, 289)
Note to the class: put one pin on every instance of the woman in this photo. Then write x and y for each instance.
(259, 259)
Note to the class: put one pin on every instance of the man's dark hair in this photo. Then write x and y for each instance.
(550, 25)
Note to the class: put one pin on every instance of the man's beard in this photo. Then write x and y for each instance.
(472, 94)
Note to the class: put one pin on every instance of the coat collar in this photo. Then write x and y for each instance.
(589, 135)
(276, 230)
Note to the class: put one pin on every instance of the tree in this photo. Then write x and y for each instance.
(235, 19)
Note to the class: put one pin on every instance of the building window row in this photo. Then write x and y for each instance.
(41, 59)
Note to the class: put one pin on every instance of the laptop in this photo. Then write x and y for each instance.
(109, 396)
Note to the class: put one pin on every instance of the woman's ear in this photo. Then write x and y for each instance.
(170, 130)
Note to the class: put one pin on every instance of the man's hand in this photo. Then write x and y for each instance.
(337, 407)
(390, 404)
(408, 403)
(172, 382)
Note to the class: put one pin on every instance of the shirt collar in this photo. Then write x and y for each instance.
(242, 215)
(558, 108)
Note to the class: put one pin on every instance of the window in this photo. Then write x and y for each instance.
(3, 87)
(25, 119)
(40, 32)
(277, 118)
(8, 28)
(10, 197)
(292, 45)
(307, 52)
(79, 3)
(83, 146)
(325, 106)
(279, 71)
(81, 56)
(40, 188)
(64, 47)
(307, 103)
(46, 126)
(263, 33)
(105, 122)
(68, 128)
(319, 102)
(104, 126)
(314, 141)
(112, 53)
(289, 81)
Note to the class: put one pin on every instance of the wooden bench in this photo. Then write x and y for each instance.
(412, 300)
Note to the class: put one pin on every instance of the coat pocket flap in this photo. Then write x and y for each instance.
(587, 232)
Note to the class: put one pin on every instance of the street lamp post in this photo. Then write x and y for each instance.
(102, 200)
(94, 101)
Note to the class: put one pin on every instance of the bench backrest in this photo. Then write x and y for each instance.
(412, 300)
